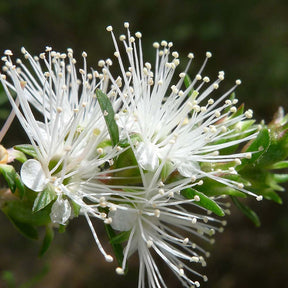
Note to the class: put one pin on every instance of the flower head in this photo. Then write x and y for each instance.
(67, 132)
(160, 222)
(181, 123)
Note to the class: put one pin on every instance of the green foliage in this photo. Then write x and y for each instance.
(20, 214)
(49, 236)
(27, 149)
(44, 198)
(120, 238)
(116, 245)
(272, 146)
(247, 211)
(108, 114)
(12, 178)
(204, 201)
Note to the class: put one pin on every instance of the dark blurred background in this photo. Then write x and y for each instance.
(249, 40)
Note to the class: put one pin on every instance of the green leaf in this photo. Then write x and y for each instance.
(120, 238)
(109, 114)
(27, 149)
(247, 211)
(204, 202)
(127, 176)
(44, 198)
(20, 186)
(272, 195)
(117, 248)
(258, 147)
(211, 188)
(21, 211)
(49, 236)
(75, 208)
(280, 178)
(19, 156)
(26, 229)
(9, 175)
(192, 93)
(280, 165)
(166, 171)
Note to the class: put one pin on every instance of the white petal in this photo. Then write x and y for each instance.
(123, 220)
(146, 155)
(60, 211)
(33, 175)
(188, 169)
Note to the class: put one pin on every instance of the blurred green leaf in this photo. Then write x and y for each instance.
(269, 194)
(21, 211)
(247, 211)
(49, 236)
(9, 278)
(280, 165)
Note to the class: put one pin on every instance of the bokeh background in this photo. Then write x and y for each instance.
(249, 40)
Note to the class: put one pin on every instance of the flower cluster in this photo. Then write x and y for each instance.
(151, 152)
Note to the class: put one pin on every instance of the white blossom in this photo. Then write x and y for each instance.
(187, 126)
(66, 132)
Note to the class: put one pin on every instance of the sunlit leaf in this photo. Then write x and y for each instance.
(109, 115)
(27, 149)
(204, 202)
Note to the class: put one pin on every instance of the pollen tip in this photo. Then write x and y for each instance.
(119, 271)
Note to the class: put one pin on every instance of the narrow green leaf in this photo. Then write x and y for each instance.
(44, 198)
(21, 211)
(272, 195)
(120, 238)
(27, 149)
(25, 229)
(166, 171)
(204, 202)
(9, 175)
(212, 188)
(75, 208)
(19, 156)
(49, 236)
(280, 165)
(109, 114)
(117, 248)
(280, 178)
(247, 211)
(187, 82)
(258, 147)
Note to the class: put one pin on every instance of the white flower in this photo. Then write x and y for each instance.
(160, 221)
(67, 132)
(176, 123)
